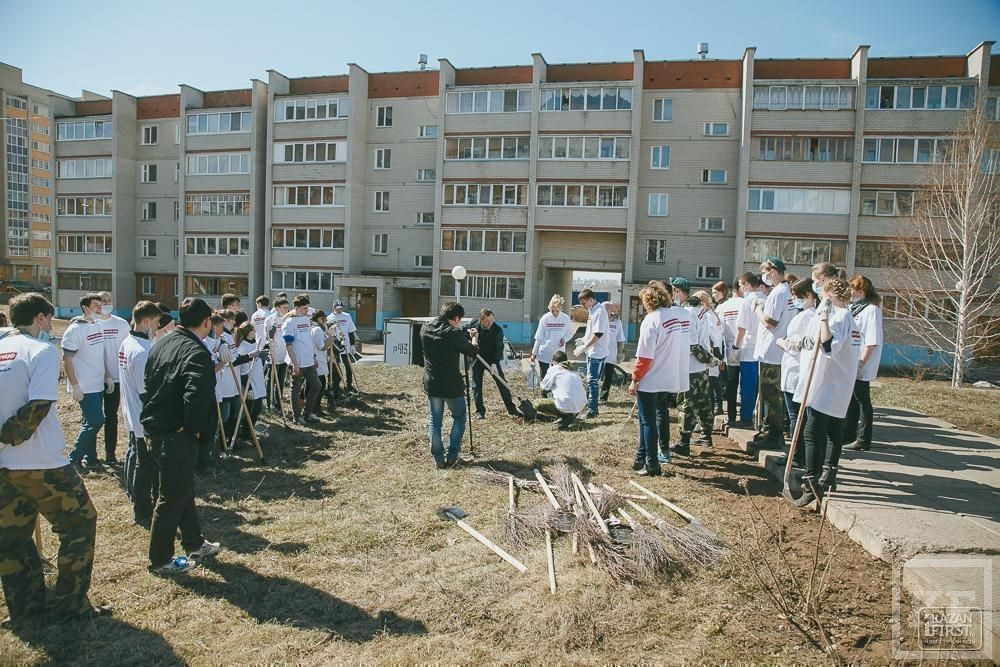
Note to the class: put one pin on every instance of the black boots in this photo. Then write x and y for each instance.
(858, 446)
(705, 439)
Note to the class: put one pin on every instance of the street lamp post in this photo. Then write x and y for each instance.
(458, 273)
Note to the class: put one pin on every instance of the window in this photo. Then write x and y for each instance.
(313, 281)
(218, 123)
(485, 287)
(992, 108)
(427, 131)
(380, 244)
(148, 211)
(40, 110)
(989, 163)
(41, 217)
(82, 130)
(383, 158)
(85, 282)
(217, 245)
(41, 182)
(84, 205)
(487, 148)
(148, 173)
(322, 151)
(789, 200)
(488, 101)
(709, 272)
(583, 148)
(425, 218)
(17, 103)
(425, 175)
(149, 135)
(920, 97)
(213, 164)
(41, 146)
(656, 251)
(713, 176)
(781, 98)
(806, 149)
(480, 194)
(307, 238)
(905, 150)
(40, 164)
(586, 99)
(480, 240)
(382, 201)
(660, 158)
(716, 129)
(202, 285)
(148, 286)
(313, 109)
(803, 253)
(148, 247)
(309, 195)
(887, 203)
(423, 261)
(40, 199)
(84, 244)
(39, 128)
(41, 252)
(657, 204)
(712, 225)
(217, 204)
(615, 196)
(383, 117)
(663, 109)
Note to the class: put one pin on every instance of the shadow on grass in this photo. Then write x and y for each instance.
(103, 641)
(225, 526)
(526, 470)
(292, 603)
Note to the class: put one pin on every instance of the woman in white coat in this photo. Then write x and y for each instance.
(554, 330)
(866, 306)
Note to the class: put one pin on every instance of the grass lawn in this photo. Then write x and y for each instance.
(969, 408)
(334, 553)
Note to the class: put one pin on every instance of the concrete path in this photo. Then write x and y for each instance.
(927, 497)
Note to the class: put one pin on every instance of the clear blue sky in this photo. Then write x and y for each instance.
(106, 44)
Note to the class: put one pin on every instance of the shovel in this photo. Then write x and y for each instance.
(456, 514)
(527, 409)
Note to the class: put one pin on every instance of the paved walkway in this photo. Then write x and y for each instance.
(927, 497)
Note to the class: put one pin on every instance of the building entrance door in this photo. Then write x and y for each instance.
(363, 301)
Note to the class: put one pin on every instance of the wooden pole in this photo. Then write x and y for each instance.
(487, 543)
(590, 504)
(690, 518)
(222, 429)
(579, 501)
(548, 531)
(246, 413)
(243, 398)
(800, 420)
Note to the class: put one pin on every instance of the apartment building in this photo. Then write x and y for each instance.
(370, 187)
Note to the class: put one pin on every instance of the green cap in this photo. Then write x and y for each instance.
(681, 283)
(775, 262)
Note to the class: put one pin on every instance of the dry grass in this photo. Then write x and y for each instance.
(970, 408)
(334, 554)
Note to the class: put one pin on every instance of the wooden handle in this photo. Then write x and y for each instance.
(690, 518)
(590, 504)
(546, 489)
(246, 413)
(628, 519)
(552, 561)
(510, 492)
(643, 512)
(802, 407)
(487, 543)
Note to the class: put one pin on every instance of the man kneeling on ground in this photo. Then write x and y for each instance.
(568, 397)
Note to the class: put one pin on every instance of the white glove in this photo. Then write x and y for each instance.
(76, 392)
(579, 350)
(109, 386)
(225, 354)
(793, 343)
(758, 304)
(824, 308)
(808, 343)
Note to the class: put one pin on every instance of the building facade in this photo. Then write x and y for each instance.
(370, 187)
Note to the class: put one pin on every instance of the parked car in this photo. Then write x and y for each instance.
(21, 286)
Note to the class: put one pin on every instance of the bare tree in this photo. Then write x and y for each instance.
(945, 265)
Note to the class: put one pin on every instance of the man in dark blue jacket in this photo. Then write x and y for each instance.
(491, 350)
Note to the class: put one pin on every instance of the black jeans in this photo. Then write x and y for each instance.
(731, 391)
(715, 390)
(543, 368)
(608, 377)
(860, 414)
(275, 389)
(111, 403)
(477, 388)
(141, 481)
(823, 440)
(308, 377)
(175, 456)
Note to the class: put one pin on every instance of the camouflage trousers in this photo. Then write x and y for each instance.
(696, 404)
(547, 407)
(772, 401)
(61, 497)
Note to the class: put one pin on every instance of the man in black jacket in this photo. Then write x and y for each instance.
(178, 408)
(491, 350)
(443, 344)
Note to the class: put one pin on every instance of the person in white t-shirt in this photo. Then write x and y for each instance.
(773, 315)
(347, 332)
(728, 311)
(614, 348)
(302, 359)
(831, 386)
(593, 346)
(278, 367)
(554, 329)
(259, 321)
(866, 307)
(661, 368)
(115, 332)
(746, 326)
(716, 338)
(694, 405)
(569, 397)
(140, 470)
(251, 372)
(37, 478)
(322, 339)
(86, 378)
(804, 301)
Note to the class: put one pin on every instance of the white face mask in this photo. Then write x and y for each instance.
(766, 279)
(108, 309)
(798, 304)
(816, 287)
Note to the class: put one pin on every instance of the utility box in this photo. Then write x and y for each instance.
(401, 340)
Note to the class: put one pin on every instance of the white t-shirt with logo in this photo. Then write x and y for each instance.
(665, 337)
(615, 335)
(597, 323)
(132, 367)
(259, 323)
(728, 312)
(699, 336)
(777, 307)
(225, 385)
(551, 329)
(345, 323)
(566, 388)
(298, 328)
(278, 351)
(748, 320)
(715, 336)
(318, 337)
(869, 323)
(791, 361)
(116, 330)
(29, 371)
(86, 340)
(254, 367)
(833, 379)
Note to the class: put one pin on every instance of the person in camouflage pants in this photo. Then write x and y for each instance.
(696, 404)
(60, 496)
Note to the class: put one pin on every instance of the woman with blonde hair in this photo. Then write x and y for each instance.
(554, 329)
(866, 306)
(661, 368)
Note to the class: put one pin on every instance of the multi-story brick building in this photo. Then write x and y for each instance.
(370, 187)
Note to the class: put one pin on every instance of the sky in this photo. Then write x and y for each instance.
(150, 48)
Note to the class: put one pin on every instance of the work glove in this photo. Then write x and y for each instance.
(758, 304)
(824, 308)
(793, 343)
(579, 349)
(109, 386)
(225, 354)
(76, 392)
(808, 343)
(261, 354)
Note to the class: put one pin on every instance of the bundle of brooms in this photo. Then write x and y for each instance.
(596, 520)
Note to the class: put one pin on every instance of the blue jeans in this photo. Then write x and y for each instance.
(457, 408)
(650, 412)
(748, 389)
(85, 446)
(595, 367)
